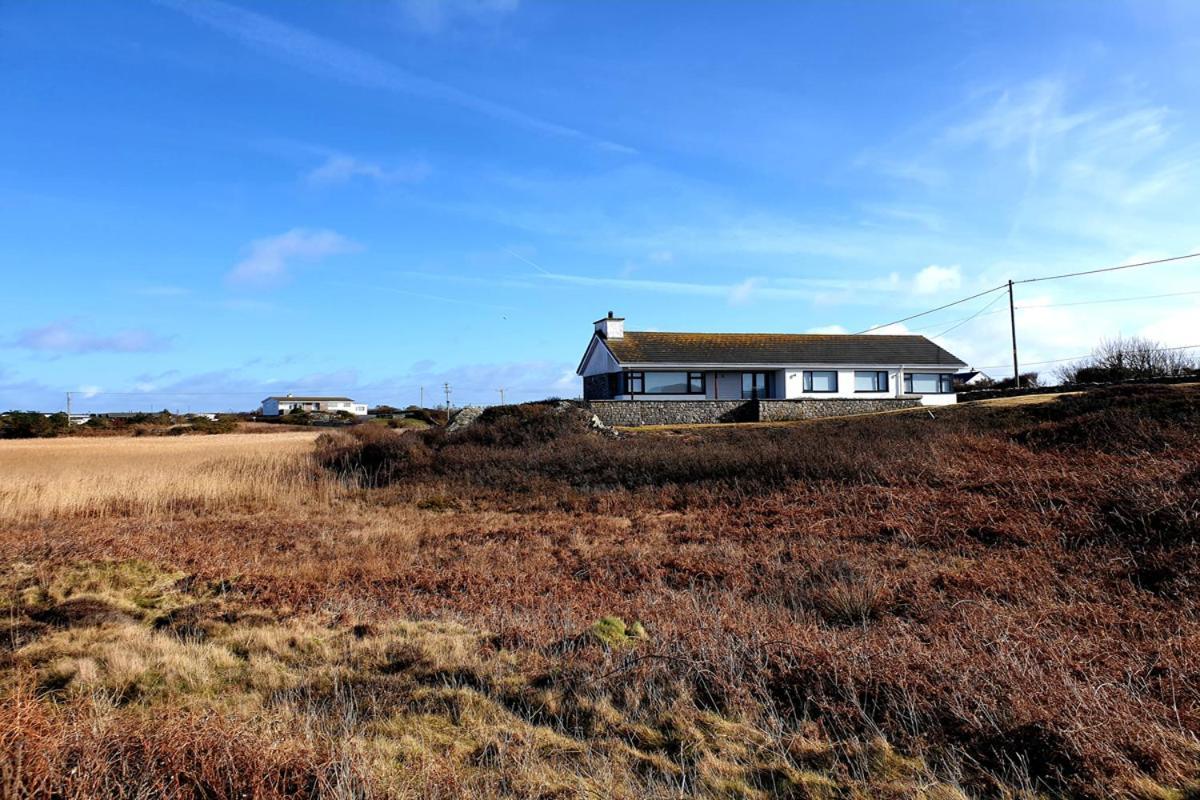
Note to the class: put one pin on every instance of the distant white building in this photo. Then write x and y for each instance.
(283, 404)
(971, 377)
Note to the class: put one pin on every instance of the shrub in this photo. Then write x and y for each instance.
(372, 453)
(32, 425)
(522, 425)
(221, 424)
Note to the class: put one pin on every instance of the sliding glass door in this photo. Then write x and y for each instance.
(756, 385)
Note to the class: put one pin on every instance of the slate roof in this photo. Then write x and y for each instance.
(641, 347)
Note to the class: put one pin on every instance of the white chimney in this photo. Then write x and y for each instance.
(611, 327)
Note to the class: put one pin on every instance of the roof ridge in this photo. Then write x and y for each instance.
(817, 335)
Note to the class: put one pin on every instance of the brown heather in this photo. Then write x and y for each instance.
(989, 601)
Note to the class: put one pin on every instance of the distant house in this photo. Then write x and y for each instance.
(643, 365)
(283, 404)
(971, 377)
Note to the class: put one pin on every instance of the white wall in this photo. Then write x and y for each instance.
(600, 361)
(271, 408)
(789, 383)
(794, 383)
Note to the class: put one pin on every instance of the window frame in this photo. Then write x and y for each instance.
(635, 382)
(877, 373)
(945, 382)
(807, 378)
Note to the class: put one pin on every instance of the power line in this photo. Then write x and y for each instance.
(1061, 305)
(1109, 269)
(1108, 300)
(962, 322)
(1034, 280)
(932, 310)
(1089, 355)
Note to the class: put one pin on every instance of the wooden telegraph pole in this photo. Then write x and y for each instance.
(1012, 321)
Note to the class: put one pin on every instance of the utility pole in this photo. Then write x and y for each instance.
(422, 397)
(68, 407)
(501, 391)
(1012, 320)
(446, 389)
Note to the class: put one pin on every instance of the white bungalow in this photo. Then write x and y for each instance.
(642, 365)
(282, 404)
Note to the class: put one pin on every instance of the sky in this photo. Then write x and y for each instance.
(205, 202)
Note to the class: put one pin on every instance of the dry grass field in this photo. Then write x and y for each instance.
(996, 602)
(106, 476)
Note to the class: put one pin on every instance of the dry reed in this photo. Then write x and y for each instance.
(101, 477)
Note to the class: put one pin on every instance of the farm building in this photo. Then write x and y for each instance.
(276, 405)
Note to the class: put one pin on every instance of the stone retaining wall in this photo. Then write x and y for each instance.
(781, 410)
(672, 412)
(690, 412)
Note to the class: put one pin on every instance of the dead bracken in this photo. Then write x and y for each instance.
(997, 602)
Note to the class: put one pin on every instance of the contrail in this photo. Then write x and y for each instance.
(335, 60)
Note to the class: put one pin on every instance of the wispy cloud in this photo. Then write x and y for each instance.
(436, 16)
(332, 59)
(66, 337)
(270, 258)
(822, 290)
(742, 293)
(340, 168)
(1026, 116)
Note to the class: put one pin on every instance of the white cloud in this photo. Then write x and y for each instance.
(828, 329)
(89, 391)
(935, 279)
(1175, 329)
(340, 168)
(66, 337)
(269, 258)
(435, 16)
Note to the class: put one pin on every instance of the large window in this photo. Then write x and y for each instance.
(664, 383)
(820, 380)
(756, 385)
(871, 380)
(928, 383)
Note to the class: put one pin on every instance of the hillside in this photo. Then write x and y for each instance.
(982, 602)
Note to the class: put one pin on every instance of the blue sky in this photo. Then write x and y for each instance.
(205, 202)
